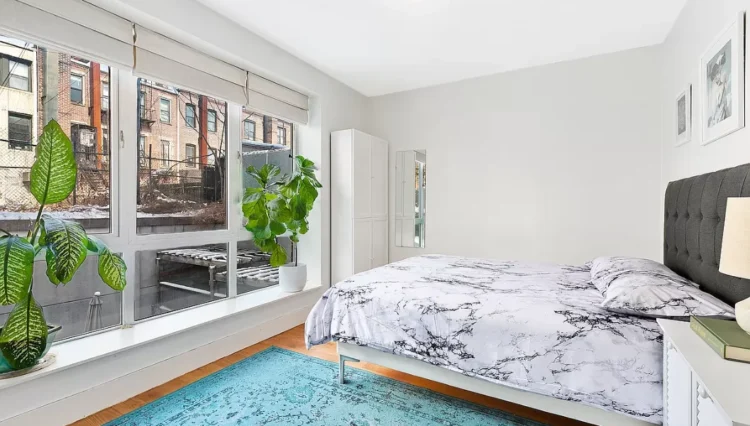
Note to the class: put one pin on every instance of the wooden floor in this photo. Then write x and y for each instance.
(294, 340)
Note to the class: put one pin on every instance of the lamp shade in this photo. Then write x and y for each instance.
(735, 249)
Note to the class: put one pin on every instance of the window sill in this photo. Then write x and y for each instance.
(108, 343)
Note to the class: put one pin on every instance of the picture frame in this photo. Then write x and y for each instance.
(722, 83)
(684, 122)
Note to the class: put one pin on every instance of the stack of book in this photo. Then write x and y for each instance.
(725, 337)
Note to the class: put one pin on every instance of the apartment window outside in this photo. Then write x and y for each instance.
(105, 96)
(20, 132)
(211, 121)
(165, 154)
(165, 110)
(249, 130)
(281, 132)
(190, 153)
(142, 105)
(19, 75)
(190, 115)
(142, 150)
(76, 89)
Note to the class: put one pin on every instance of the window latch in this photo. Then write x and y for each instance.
(122, 139)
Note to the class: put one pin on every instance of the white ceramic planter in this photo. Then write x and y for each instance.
(292, 279)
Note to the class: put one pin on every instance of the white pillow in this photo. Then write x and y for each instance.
(605, 270)
(647, 288)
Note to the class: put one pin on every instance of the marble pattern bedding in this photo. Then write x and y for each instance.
(536, 327)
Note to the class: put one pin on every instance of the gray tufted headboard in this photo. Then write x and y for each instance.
(694, 228)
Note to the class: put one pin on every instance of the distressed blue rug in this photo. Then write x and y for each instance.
(281, 387)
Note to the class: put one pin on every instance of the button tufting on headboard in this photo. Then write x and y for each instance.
(692, 241)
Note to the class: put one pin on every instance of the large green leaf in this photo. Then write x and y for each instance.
(17, 269)
(24, 336)
(66, 248)
(53, 175)
(278, 256)
(112, 268)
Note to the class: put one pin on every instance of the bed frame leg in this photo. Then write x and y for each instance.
(342, 365)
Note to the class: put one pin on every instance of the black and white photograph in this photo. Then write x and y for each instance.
(722, 80)
(684, 116)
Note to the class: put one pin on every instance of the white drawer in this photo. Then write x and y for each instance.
(706, 411)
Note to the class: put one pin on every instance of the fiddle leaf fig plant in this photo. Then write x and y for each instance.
(280, 205)
(23, 339)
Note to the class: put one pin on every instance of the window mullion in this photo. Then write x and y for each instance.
(233, 190)
(127, 147)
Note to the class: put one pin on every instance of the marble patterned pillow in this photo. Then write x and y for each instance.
(606, 270)
(647, 288)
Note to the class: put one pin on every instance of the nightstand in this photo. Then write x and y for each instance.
(700, 388)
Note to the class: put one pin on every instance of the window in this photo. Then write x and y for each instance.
(76, 89)
(142, 150)
(190, 154)
(33, 102)
(281, 132)
(173, 194)
(212, 121)
(249, 130)
(142, 105)
(165, 110)
(105, 96)
(190, 115)
(19, 75)
(179, 278)
(165, 154)
(20, 133)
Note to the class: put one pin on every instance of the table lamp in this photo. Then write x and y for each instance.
(735, 251)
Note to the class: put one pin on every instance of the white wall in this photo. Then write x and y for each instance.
(700, 22)
(556, 163)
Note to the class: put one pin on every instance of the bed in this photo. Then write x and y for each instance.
(532, 334)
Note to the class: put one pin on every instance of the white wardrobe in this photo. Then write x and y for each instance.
(359, 203)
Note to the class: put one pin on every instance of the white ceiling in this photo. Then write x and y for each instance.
(385, 46)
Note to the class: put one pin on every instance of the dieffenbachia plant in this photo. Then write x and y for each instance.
(65, 244)
(280, 205)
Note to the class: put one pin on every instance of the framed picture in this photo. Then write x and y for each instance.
(723, 83)
(685, 116)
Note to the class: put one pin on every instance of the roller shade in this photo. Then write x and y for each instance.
(272, 98)
(163, 59)
(72, 25)
(88, 31)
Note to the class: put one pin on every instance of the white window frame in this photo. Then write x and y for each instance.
(129, 242)
(169, 109)
(83, 88)
(208, 120)
(13, 63)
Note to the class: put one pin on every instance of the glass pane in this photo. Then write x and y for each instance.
(175, 279)
(87, 125)
(254, 270)
(82, 306)
(178, 192)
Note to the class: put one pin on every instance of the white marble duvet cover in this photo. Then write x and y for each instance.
(536, 327)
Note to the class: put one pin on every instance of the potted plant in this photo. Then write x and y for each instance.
(279, 206)
(26, 337)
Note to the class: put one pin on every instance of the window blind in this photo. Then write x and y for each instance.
(71, 25)
(89, 31)
(162, 59)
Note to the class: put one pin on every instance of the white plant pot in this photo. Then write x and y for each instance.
(292, 278)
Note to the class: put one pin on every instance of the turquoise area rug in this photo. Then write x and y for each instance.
(281, 387)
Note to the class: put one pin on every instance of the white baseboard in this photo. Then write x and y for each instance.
(76, 393)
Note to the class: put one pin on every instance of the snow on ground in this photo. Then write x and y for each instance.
(86, 212)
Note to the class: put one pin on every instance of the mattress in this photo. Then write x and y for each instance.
(530, 326)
